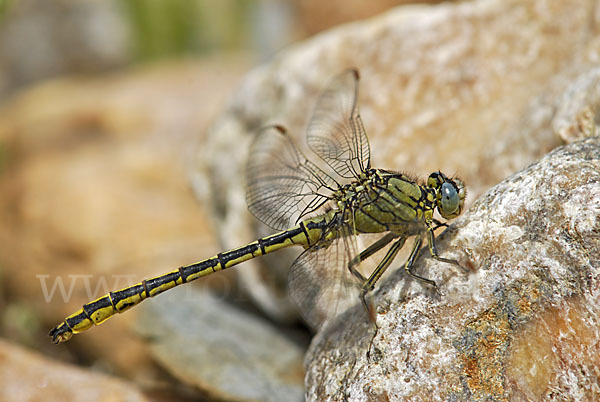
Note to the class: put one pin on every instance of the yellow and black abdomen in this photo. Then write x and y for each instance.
(96, 312)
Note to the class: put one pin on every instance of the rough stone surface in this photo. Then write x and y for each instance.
(455, 87)
(27, 376)
(225, 352)
(523, 323)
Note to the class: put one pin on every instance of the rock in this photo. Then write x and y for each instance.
(224, 352)
(27, 376)
(523, 323)
(454, 87)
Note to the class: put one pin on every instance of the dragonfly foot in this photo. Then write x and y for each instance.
(373, 353)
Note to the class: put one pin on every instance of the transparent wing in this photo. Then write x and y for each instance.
(282, 186)
(335, 132)
(321, 284)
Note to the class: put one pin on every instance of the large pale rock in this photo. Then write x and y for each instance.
(524, 323)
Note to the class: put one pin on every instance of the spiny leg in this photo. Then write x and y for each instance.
(369, 284)
(434, 253)
(439, 224)
(411, 260)
(369, 251)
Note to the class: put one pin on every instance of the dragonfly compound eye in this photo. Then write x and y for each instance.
(449, 199)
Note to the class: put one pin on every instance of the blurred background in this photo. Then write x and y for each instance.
(46, 39)
(102, 103)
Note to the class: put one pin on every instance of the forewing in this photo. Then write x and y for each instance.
(335, 132)
(281, 185)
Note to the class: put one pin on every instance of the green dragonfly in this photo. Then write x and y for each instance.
(321, 207)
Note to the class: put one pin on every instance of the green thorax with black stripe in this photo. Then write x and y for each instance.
(382, 201)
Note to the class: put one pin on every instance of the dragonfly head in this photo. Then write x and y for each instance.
(450, 194)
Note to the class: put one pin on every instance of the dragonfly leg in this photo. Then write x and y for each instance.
(411, 260)
(434, 253)
(439, 224)
(369, 251)
(373, 354)
(369, 284)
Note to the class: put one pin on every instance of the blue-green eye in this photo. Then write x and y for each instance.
(450, 199)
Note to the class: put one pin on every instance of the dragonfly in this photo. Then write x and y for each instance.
(321, 206)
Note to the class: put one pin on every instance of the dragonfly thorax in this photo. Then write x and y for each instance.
(387, 201)
(381, 200)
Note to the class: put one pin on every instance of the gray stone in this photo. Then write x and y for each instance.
(222, 351)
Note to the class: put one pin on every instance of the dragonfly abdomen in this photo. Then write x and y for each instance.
(101, 309)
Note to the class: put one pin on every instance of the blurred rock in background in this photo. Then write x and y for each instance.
(41, 39)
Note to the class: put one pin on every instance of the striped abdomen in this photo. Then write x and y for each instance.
(101, 309)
